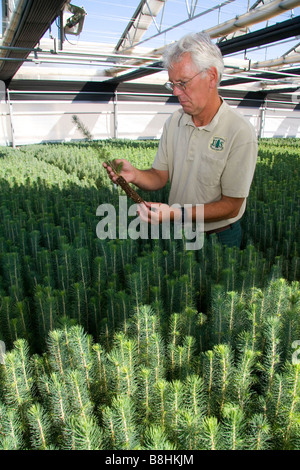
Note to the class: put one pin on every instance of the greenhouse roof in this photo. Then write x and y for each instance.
(41, 47)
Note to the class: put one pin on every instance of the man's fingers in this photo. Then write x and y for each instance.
(149, 212)
(110, 172)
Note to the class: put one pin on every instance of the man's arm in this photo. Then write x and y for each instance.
(151, 179)
(225, 208)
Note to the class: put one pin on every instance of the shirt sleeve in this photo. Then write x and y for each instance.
(238, 173)
(161, 159)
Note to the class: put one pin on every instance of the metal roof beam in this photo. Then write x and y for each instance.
(142, 18)
(263, 36)
(253, 16)
(277, 32)
(258, 15)
(191, 16)
(28, 24)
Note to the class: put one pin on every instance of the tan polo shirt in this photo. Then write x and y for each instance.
(206, 162)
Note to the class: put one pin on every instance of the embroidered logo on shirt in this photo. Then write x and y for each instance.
(217, 143)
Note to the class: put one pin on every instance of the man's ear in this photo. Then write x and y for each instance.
(213, 75)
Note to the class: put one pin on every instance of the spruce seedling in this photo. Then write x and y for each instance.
(131, 193)
(210, 434)
(40, 427)
(82, 433)
(11, 437)
(156, 439)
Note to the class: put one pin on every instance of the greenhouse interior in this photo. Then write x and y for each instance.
(117, 334)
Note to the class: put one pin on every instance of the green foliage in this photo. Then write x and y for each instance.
(139, 344)
(144, 390)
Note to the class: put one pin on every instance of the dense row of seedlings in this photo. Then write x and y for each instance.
(148, 345)
(144, 389)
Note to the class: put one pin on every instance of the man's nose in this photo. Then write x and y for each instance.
(177, 91)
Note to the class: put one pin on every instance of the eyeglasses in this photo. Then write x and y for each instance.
(180, 85)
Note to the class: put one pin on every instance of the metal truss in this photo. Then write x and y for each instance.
(146, 14)
(143, 17)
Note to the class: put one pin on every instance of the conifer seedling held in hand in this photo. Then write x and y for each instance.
(116, 168)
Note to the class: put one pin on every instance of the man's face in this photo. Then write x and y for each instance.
(195, 97)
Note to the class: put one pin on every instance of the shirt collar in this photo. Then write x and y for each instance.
(186, 119)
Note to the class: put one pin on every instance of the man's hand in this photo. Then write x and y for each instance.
(155, 213)
(127, 171)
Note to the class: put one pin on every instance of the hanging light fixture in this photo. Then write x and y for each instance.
(73, 19)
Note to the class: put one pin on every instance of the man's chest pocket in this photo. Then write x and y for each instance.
(210, 169)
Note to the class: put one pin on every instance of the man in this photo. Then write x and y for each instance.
(207, 150)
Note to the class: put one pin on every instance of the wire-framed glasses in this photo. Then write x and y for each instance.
(180, 85)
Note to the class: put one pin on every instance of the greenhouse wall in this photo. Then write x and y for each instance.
(281, 123)
(27, 119)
